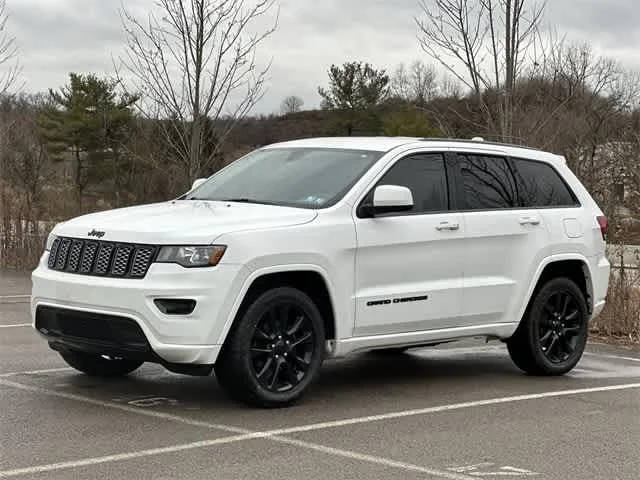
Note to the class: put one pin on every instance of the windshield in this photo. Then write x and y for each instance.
(297, 177)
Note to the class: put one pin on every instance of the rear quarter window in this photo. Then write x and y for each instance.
(540, 185)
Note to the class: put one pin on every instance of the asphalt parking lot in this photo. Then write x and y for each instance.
(461, 411)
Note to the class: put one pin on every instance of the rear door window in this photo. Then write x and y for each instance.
(540, 185)
(487, 183)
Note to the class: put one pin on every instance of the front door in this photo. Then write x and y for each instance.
(409, 266)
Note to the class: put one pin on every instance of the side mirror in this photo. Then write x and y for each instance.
(389, 199)
(197, 182)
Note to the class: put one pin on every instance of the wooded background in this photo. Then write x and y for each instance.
(178, 106)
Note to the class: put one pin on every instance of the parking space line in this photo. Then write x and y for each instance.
(449, 407)
(35, 372)
(16, 325)
(9, 299)
(278, 434)
(85, 462)
(387, 462)
(118, 457)
(118, 406)
(615, 357)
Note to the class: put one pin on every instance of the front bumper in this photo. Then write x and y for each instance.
(182, 339)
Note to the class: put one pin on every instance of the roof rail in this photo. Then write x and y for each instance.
(476, 141)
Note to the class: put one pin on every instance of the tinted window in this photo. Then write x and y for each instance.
(539, 185)
(487, 182)
(425, 176)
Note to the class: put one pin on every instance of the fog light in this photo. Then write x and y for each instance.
(175, 306)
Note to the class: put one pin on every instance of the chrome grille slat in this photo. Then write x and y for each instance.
(96, 257)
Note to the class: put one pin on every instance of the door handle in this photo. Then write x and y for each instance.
(529, 221)
(447, 226)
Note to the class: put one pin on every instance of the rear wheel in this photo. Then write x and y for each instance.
(99, 365)
(553, 333)
(274, 351)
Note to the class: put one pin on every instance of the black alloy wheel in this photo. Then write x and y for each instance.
(282, 347)
(274, 349)
(553, 333)
(558, 332)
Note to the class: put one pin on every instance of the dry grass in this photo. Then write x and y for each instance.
(620, 318)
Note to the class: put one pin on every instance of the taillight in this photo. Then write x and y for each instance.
(604, 226)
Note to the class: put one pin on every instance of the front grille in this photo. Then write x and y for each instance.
(107, 259)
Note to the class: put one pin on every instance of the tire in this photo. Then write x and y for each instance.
(268, 360)
(552, 335)
(99, 366)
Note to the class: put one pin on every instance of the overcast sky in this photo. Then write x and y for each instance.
(60, 36)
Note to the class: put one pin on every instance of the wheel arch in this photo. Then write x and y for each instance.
(311, 279)
(573, 266)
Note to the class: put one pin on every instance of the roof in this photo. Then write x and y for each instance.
(384, 144)
(380, 144)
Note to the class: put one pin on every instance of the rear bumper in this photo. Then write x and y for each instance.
(181, 339)
(600, 270)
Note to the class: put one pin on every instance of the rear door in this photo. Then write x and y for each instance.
(541, 189)
(409, 265)
(504, 243)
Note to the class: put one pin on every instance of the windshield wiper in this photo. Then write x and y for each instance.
(247, 200)
(236, 200)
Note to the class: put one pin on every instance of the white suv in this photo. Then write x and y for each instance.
(321, 247)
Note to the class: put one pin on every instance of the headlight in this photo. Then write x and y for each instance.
(195, 256)
(50, 239)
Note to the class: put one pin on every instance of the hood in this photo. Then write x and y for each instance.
(181, 222)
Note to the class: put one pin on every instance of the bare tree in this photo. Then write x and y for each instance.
(195, 63)
(417, 84)
(484, 45)
(291, 104)
(9, 66)
(27, 158)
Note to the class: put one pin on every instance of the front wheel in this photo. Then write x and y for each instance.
(274, 351)
(99, 365)
(553, 333)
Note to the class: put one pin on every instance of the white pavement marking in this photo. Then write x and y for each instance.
(616, 357)
(118, 457)
(453, 406)
(35, 372)
(493, 470)
(16, 325)
(118, 406)
(8, 299)
(371, 459)
(276, 435)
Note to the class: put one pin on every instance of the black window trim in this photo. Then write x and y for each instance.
(512, 168)
(448, 163)
(460, 200)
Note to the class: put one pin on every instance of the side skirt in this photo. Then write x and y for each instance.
(340, 348)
